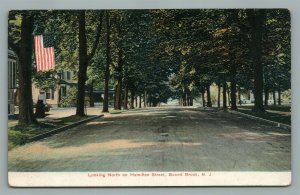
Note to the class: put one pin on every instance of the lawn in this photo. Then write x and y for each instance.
(18, 135)
(272, 107)
(280, 114)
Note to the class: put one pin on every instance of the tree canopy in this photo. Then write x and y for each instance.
(162, 54)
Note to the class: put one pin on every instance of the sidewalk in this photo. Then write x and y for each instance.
(57, 113)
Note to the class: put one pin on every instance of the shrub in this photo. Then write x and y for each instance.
(70, 99)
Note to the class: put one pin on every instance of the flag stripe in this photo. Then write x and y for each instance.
(40, 52)
(37, 51)
(37, 56)
(45, 58)
(43, 54)
(52, 58)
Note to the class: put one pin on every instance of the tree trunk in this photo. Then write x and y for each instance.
(83, 63)
(91, 94)
(191, 100)
(184, 99)
(132, 95)
(266, 96)
(224, 96)
(228, 94)
(274, 97)
(203, 97)
(279, 96)
(26, 116)
(119, 70)
(219, 94)
(107, 72)
(140, 102)
(233, 88)
(136, 101)
(118, 96)
(115, 98)
(208, 96)
(126, 98)
(83, 60)
(256, 20)
(145, 99)
(187, 98)
(239, 95)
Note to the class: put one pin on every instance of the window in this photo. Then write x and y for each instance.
(63, 91)
(49, 94)
(14, 75)
(68, 75)
(62, 75)
(52, 94)
(12, 71)
(9, 74)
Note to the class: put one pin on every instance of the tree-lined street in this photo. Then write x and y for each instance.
(161, 139)
(168, 81)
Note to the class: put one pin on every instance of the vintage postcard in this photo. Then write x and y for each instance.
(168, 97)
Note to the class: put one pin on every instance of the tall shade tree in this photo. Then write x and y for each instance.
(108, 60)
(83, 63)
(256, 19)
(24, 50)
(84, 57)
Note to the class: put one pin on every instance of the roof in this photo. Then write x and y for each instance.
(65, 82)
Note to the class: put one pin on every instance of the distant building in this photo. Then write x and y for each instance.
(12, 81)
(98, 95)
(53, 96)
(67, 80)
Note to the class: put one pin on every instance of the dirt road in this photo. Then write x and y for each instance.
(161, 139)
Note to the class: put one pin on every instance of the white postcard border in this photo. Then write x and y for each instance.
(127, 179)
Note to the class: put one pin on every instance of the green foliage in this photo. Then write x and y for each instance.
(277, 50)
(95, 70)
(287, 96)
(70, 99)
(45, 80)
(167, 52)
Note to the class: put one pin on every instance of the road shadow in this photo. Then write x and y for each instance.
(157, 126)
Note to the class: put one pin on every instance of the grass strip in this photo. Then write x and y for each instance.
(277, 117)
(20, 134)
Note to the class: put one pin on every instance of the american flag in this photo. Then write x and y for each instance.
(44, 52)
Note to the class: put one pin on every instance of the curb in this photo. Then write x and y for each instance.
(60, 129)
(277, 124)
